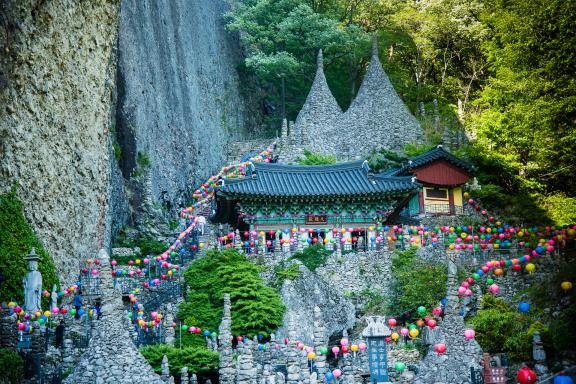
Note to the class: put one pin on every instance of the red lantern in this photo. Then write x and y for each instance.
(345, 349)
(440, 348)
(526, 376)
(388, 340)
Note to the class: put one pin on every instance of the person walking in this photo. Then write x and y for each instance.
(98, 308)
(201, 224)
(78, 304)
(59, 334)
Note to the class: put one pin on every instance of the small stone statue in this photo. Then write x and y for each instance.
(54, 297)
(32, 283)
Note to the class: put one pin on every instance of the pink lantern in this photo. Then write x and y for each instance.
(344, 342)
(55, 310)
(113, 262)
(335, 351)
(432, 323)
(21, 326)
(146, 261)
(362, 347)
(404, 331)
(494, 288)
(469, 334)
(437, 311)
(468, 292)
(461, 290)
(309, 349)
(337, 373)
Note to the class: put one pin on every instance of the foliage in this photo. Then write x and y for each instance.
(256, 309)
(527, 104)
(503, 69)
(172, 224)
(412, 150)
(560, 208)
(147, 245)
(501, 329)
(417, 283)
(312, 256)
(16, 241)
(199, 360)
(117, 151)
(311, 158)
(11, 366)
(143, 160)
(283, 272)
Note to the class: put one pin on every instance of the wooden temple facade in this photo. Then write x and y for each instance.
(313, 200)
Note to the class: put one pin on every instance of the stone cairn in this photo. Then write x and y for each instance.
(461, 353)
(111, 356)
(226, 371)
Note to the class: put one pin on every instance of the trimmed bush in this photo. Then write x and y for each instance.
(256, 308)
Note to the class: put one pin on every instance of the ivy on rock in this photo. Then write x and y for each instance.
(16, 241)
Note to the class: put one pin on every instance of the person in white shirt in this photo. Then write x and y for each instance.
(201, 224)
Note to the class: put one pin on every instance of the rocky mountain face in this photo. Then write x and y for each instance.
(178, 99)
(104, 101)
(56, 100)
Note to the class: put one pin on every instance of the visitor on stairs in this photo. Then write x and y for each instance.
(78, 304)
(59, 334)
(201, 224)
(98, 308)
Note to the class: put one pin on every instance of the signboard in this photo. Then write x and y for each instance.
(378, 359)
(316, 219)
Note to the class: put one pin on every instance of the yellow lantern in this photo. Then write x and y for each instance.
(530, 268)
(137, 261)
(201, 245)
(463, 235)
(262, 234)
(311, 355)
(343, 230)
(395, 336)
(169, 273)
(47, 313)
(294, 230)
(137, 290)
(414, 333)
(354, 348)
(566, 286)
(452, 247)
(466, 195)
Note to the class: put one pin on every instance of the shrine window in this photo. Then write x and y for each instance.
(436, 193)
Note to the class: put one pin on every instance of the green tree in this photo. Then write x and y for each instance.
(256, 308)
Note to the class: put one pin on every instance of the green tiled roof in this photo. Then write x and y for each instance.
(344, 179)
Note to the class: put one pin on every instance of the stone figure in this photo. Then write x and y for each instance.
(32, 283)
(376, 327)
(54, 297)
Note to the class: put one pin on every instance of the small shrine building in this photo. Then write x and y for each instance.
(441, 176)
(313, 200)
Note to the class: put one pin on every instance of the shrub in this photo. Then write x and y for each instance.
(16, 241)
(11, 366)
(312, 256)
(311, 158)
(199, 360)
(256, 308)
(417, 283)
(117, 151)
(283, 272)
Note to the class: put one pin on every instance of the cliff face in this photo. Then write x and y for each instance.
(83, 82)
(178, 94)
(57, 80)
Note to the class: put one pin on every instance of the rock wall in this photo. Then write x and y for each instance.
(179, 99)
(85, 82)
(56, 84)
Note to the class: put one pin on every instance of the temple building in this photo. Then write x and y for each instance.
(442, 176)
(313, 200)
